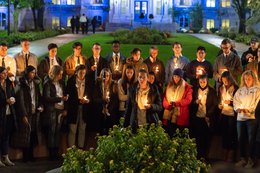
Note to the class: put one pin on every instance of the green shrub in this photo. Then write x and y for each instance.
(14, 38)
(213, 30)
(141, 35)
(243, 38)
(150, 150)
(223, 32)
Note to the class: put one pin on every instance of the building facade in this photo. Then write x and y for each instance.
(126, 13)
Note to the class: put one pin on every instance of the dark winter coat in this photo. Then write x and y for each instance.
(153, 98)
(73, 101)
(24, 108)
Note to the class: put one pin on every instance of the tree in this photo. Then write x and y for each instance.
(241, 8)
(255, 12)
(37, 6)
(196, 16)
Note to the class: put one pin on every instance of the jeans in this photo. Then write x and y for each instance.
(246, 131)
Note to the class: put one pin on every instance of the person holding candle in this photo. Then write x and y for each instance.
(227, 61)
(116, 60)
(74, 60)
(228, 115)
(137, 61)
(176, 61)
(7, 62)
(106, 101)
(79, 93)
(255, 64)
(49, 61)
(29, 107)
(245, 102)
(123, 88)
(199, 67)
(251, 54)
(143, 104)
(176, 101)
(54, 109)
(7, 116)
(203, 107)
(155, 65)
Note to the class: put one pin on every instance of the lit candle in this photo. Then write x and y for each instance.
(156, 69)
(145, 102)
(176, 65)
(107, 96)
(95, 63)
(116, 68)
(199, 97)
(85, 98)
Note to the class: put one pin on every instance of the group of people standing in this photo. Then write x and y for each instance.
(82, 22)
(95, 92)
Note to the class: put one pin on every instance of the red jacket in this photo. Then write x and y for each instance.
(183, 118)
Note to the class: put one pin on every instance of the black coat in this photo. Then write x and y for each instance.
(113, 106)
(211, 105)
(49, 100)
(73, 101)
(131, 107)
(3, 97)
(91, 74)
(24, 108)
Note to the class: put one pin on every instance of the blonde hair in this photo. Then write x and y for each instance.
(249, 73)
(55, 71)
(103, 72)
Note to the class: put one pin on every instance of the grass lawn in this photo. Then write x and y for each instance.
(189, 42)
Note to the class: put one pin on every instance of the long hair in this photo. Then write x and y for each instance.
(55, 71)
(125, 81)
(227, 74)
(248, 73)
(103, 72)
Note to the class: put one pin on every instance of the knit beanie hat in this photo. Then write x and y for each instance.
(178, 72)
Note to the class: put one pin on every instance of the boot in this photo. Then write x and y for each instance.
(7, 161)
(2, 164)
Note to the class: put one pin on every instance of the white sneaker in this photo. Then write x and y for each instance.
(2, 164)
(7, 161)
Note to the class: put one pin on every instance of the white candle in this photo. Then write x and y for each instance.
(107, 96)
(85, 98)
(116, 68)
(176, 65)
(156, 69)
(95, 63)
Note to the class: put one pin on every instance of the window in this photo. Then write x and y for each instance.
(210, 3)
(225, 3)
(55, 21)
(158, 7)
(185, 2)
(210, 23)
(68, 21)
(225, 23)
(71, 2)
(123, 6)
(2, 20)
(97, 2)
(56, 2)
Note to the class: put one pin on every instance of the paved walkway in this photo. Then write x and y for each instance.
(39, 47)
(216, 41)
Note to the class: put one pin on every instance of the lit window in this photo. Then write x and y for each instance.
(71, 2)
(210, 23)
(68, 22)
(123, 6)
(56, 2)
(55, 21)
(225, 23)
(210, 3)
(225, 3)
(158, 7)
